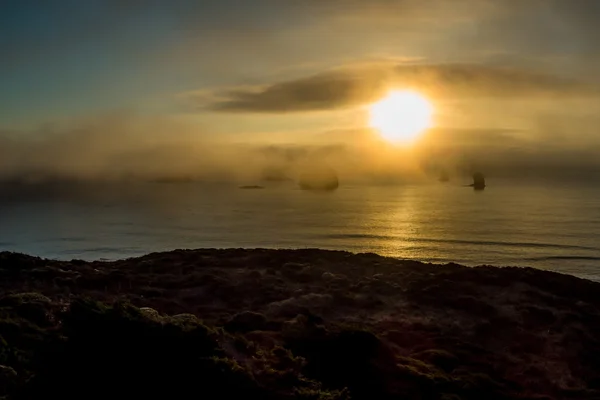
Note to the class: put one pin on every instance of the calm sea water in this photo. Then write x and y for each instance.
(545, 226)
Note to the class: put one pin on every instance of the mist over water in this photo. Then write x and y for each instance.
(545, 226)
(125, 147)
(122, 186)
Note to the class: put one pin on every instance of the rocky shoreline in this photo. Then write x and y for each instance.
(293, 324)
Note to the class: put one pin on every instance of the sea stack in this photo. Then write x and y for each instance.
(478, 181)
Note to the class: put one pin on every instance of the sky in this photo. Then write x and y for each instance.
(132, 87)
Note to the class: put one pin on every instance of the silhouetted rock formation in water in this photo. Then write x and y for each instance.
(444, 177)
(318, 179)
(478, 181)
(252, 187)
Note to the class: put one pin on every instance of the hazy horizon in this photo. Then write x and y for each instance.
(109, 90)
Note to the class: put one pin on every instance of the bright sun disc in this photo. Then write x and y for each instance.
(401, 116)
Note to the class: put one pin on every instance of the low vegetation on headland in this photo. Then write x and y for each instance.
(293, 324)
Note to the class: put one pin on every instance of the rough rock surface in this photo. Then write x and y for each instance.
(294, 324)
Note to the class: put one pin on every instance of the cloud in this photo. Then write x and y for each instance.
(230, 26)
(547, 26)
(346, 87)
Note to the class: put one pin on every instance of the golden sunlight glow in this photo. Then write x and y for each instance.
(401, 116)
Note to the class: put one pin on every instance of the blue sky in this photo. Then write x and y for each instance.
(77, 56)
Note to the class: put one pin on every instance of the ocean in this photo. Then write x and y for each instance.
(547, 226)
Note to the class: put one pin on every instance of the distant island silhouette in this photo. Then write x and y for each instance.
(252, 187)
(478, 181)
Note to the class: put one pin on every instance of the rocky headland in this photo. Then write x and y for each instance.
(293, 324)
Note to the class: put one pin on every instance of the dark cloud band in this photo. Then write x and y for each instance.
(351, 87)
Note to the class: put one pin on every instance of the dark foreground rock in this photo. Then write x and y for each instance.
(293, 324)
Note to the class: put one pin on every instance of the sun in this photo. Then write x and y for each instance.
(401, 116)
